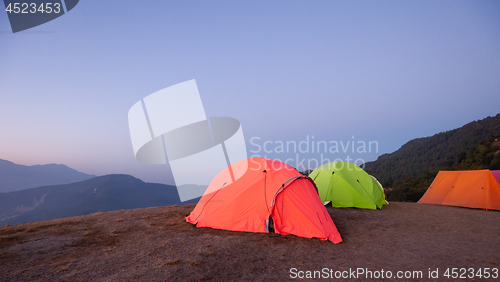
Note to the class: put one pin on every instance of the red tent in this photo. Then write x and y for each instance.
(264, 190)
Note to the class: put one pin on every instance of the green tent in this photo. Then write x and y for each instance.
(347, 185)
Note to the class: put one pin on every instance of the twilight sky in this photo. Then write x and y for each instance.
(384, 71)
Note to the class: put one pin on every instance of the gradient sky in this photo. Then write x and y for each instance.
(385, 71)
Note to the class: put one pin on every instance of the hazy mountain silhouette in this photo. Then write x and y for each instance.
(14, 177)
(103, 193)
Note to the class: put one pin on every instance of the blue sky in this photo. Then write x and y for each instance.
(385, 71)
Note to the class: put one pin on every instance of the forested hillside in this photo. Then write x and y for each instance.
(484, 155)
(448, 150)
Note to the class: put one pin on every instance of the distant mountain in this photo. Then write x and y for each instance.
(103, 193)
(484, 155)
(432, 153)
(14, 177)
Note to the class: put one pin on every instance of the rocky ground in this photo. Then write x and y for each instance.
(156, 244)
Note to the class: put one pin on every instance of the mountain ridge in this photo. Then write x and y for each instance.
(98, 194)
(431, 153)
(16, 177)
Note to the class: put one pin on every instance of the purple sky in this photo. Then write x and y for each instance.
(385, 71)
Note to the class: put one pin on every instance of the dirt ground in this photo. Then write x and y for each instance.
(156, 244)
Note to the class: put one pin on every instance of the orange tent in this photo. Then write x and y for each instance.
(471, 188)
(250, 193)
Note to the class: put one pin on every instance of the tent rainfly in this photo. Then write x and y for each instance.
(347, 185)
(258, 194)
(471, 188)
